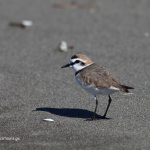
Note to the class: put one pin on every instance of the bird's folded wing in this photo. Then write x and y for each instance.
(98, 77)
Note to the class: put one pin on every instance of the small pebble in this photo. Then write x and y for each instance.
(63, 46)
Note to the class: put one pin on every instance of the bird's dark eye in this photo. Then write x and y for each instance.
(77, 61)
(82, 63)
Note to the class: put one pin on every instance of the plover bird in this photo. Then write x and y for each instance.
(95, 79)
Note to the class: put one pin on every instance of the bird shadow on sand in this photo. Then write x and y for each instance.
(71, 112)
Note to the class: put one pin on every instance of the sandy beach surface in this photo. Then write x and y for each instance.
(33, 87)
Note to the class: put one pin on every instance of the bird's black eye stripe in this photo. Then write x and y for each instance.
(74, 57)
(78, 61)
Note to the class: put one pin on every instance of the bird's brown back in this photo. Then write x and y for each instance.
(99, 77)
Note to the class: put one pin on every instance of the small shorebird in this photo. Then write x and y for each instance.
(95, 79)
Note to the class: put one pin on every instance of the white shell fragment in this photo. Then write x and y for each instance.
(48, 119)
(27, 23)
(63, 46)
(22, 24)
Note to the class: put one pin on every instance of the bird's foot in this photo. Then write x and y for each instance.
(103, 117)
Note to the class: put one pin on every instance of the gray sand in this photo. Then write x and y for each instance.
(33, 86)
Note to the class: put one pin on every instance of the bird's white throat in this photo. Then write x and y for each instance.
(77, 67)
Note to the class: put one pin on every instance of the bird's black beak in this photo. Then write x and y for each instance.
(64, 66)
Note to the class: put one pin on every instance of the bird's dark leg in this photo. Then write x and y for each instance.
(109, 101)
(95, 108)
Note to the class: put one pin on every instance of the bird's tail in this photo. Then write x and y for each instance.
(126, 88)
